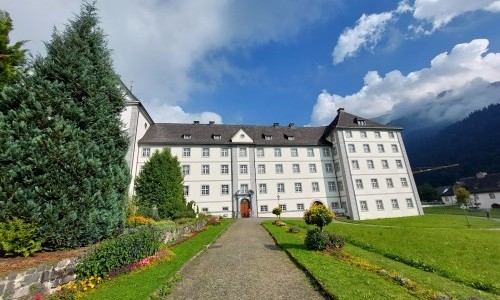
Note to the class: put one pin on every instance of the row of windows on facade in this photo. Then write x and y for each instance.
(364, 134)
(380, 204)
(267, 137)
(366, 148)
(243, 152)
(278, 168)
(490, 195)
(374, 182)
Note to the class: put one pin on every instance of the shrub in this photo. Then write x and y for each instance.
(213, 221)
(294, 229)
(139, 220)
(182, 221)
(316, 240)
(16, 238)
(335, 241)
(318, 215)
(277, 211)
(132, 246)
(495, 205)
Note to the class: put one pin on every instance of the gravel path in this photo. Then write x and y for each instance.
(244, 263)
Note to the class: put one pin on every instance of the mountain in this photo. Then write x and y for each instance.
(474, 143)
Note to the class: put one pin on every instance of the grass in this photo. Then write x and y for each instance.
(455, 210)
(460, 254)
(141, 283)
(435, 221)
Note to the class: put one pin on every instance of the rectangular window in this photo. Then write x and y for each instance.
(380, 205)
(281, 187)
(224, 169)
(404, 182)
(205, 190)
(263, 208)
(492, 196)
(260, 152)
(296, 168)
(399, 164)
(359, 184)
(363, 134)
(225, 208)
(331, 186)
(355, 164)
(326, 152)
(374, 183)
(395, 204)
(244, 188)
(298, 187)
(268, 137)
(377, 134)
(262, 188)
(334, 150)
(380, 148)
(352, 148)
(185, 169)
(243, 152)
(224, 190)
(186, 152)
(348, 134)
(294, 152)
(243, 169)
(336, 167)
(205, 152)
(186, 136)
(278, 168)
(205, 169)
(476, 197)
(146, 152)
(328, 168)
(391, 134)
(335, 205)
(310, 152)
(224, 152)
(261, 169)
(217, 136)
(385, 164)
(366, 148)
(312, 168)
(277, 152)
(186, 190)
(300, 206)
(409, 203)
(394, 148)
(204, 209)
(283, 207)
(363, 205)
(370, 164)
(389, 182)
(340, 185)
(315, 187)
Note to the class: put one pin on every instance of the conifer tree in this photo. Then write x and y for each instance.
(12, 57)
(62, 165)
(159, 185)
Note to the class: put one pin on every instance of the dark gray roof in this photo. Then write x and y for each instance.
(445, 191)
(202, 134)
(345, 120)
(486, 184)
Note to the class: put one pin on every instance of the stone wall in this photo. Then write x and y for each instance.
(45, 279)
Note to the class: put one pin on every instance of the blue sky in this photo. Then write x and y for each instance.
(260, 62)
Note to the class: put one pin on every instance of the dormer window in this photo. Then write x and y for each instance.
(268, 137)
(360, 121)
(290, 137)
(216, 136)
(186, 136)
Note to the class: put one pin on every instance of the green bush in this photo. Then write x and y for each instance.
(336, 241)
(316, 240)
(133, 245)
(318, 215)
(277, 211)
(16, 238)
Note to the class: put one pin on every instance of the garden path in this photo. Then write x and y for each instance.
(244, 263)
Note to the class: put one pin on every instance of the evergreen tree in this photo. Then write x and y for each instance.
(62, 156)
(11, 56)
(159, 185)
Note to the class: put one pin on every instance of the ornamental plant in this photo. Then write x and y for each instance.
(318, 215)
(16, 238)
(277, 211)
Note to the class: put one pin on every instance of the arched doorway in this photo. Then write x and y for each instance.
(317, 202)
(245, 208)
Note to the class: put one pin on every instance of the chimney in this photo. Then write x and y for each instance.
(481, 175)
(276, 125)
(291, 125)
(211, 122)
(196, 122)
(340, 109)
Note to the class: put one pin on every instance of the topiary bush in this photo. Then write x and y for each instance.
(316, 240)
(133, 245)
(318, 215)
(277, 211)
(16, 238)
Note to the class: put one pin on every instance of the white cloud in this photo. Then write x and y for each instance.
(175, 114)
(366, 33)
(450, 88)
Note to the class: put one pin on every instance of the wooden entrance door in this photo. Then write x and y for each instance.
(245, 208)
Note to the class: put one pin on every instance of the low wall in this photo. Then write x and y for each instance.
(45, 279)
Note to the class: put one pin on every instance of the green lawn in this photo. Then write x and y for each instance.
(454, 210)
(435, 221)
(143, 282)
(459, 254)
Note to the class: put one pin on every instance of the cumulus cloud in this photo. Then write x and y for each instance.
(455, 84)
(175, 114)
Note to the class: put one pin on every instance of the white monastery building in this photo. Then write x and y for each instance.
(353, 165)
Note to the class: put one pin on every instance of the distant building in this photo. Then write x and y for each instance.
(354, 165)
(484, 189)
(447, 195)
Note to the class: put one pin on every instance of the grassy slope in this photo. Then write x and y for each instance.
(141, 283)
(454, 210)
